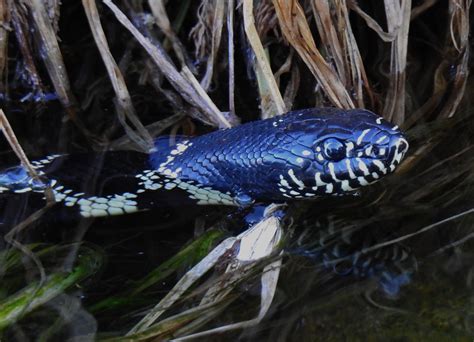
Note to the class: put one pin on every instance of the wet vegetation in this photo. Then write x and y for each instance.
(95, 75)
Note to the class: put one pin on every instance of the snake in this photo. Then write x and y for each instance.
(301, 155)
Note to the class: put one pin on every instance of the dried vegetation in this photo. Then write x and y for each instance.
(217, 62)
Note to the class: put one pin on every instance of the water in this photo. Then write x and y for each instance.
(394, 264)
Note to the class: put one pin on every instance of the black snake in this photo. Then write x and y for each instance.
(303, 154)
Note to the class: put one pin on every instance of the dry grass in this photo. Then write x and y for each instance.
(340, 76)
(163, 63)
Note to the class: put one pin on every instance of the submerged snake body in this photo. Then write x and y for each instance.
(300, 155)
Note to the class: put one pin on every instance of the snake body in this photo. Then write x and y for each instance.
(300, 155)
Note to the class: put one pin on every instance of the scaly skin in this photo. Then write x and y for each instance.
(300, 155)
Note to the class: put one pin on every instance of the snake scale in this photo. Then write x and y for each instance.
(304, 154)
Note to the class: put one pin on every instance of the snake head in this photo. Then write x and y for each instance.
(340, 152)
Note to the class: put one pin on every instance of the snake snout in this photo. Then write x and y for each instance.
(403, 146)
(398, 148)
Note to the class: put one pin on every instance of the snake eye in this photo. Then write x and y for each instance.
(334, 149)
